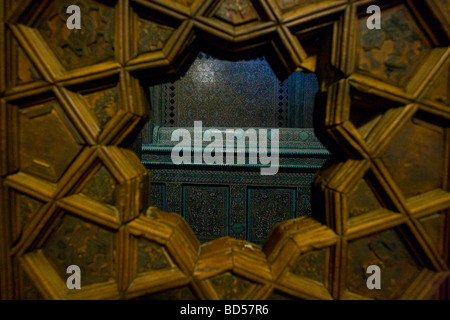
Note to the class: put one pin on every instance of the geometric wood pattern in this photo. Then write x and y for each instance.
(71, 192)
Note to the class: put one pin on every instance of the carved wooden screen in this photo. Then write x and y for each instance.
(72, 193)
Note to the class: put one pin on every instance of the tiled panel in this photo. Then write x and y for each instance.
(266, 207)
(247, 191)
(173, 197)
(302, 94)
(176, 176)
(206, 209)
(232, 94)
(240, 202)
(291, 140)
(303, 202)
(238, 217)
